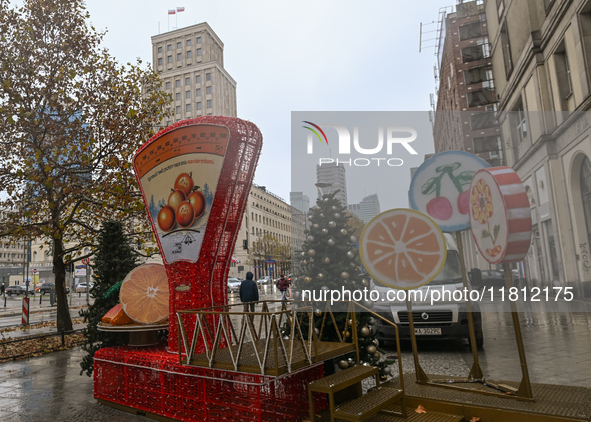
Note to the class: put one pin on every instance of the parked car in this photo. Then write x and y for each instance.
(45, 288)
(18, 290)
(496, 278)
(443, 319)
(234, 284)
(264, 280)
(81, 288)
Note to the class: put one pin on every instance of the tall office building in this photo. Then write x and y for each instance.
(334, 174)
(367, 209)
(299, 201)
(190, 62)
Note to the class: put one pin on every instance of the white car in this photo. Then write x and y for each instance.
(81, 288)
(264, 280)
(234, 284)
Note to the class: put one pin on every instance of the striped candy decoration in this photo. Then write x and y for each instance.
(500, 216)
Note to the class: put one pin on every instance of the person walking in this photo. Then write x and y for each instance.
(283, 284)
(249, 292)
(2, 289)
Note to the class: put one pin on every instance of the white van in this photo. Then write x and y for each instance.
(442, 320)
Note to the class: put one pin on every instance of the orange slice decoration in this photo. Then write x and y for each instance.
(144, 294)
(402, 248)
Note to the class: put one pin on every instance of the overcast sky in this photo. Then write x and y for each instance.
(294, 56)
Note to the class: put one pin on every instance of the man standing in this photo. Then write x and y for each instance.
(2, 289)
(249, 292)
(283, 284)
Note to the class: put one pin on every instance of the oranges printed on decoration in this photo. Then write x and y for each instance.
(500, 215)
(144, 294)
(402, 248)
(440, 188)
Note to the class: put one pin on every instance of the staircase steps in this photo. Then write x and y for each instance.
(368, 405)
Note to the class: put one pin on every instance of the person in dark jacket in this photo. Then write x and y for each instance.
(249, 292)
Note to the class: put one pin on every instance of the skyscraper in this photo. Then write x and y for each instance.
(334, 174)
(367, 209)
(300, 201)
(190, 62)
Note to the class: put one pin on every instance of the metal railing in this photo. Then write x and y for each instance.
(254, 340)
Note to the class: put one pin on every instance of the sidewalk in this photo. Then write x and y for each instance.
(50, 388)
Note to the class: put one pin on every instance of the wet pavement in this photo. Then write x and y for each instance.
(558, 347)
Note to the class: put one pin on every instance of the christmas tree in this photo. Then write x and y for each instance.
(114, 259)
(329, 261)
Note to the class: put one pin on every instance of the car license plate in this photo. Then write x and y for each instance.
(428, 331)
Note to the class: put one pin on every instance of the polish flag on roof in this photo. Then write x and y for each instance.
(171, 11)
(180, 9)
(235, 260)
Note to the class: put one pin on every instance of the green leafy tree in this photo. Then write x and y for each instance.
(329, 260)
(267, 246)
(71, 118)
(114, 259)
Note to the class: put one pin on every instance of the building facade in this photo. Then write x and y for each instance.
(268, 229)
(541, 58)
(190, 62)
(465, 115)
(299, 201)
(367, 209)
(335, 175)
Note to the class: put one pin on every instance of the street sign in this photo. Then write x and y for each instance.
(34, 270)
(80, 271)
(86, 261)
(270, 261)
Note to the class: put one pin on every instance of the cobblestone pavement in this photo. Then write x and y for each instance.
(558, 347)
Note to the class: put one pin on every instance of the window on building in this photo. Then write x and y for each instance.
(160, 61)
(506, 48)
(198, 40)
(187, 81)
(208, 90)
(178, 96)
(169, 59)
(486, 144)
(188, 42)
(198, 92)
(179, 57)
(187, 107)
(479, 98)
(199, 52)
(482, 120)
(208, 103)
(472, 30)
(520, 123)
(208, 76)
(179, 44)
(563, 74)
(168, 85)
(188, 94)
(169, 47)
(189, 54)
(199, 106)
(177, 83)
(198, 79)
(586, 194)
(159, 49)
(475, 76)
(472, 53)
(178, 109)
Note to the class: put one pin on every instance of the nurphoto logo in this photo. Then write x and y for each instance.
(388, 137)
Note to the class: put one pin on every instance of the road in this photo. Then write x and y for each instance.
(38, 312)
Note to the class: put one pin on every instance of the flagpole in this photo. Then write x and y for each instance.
(177, 19)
